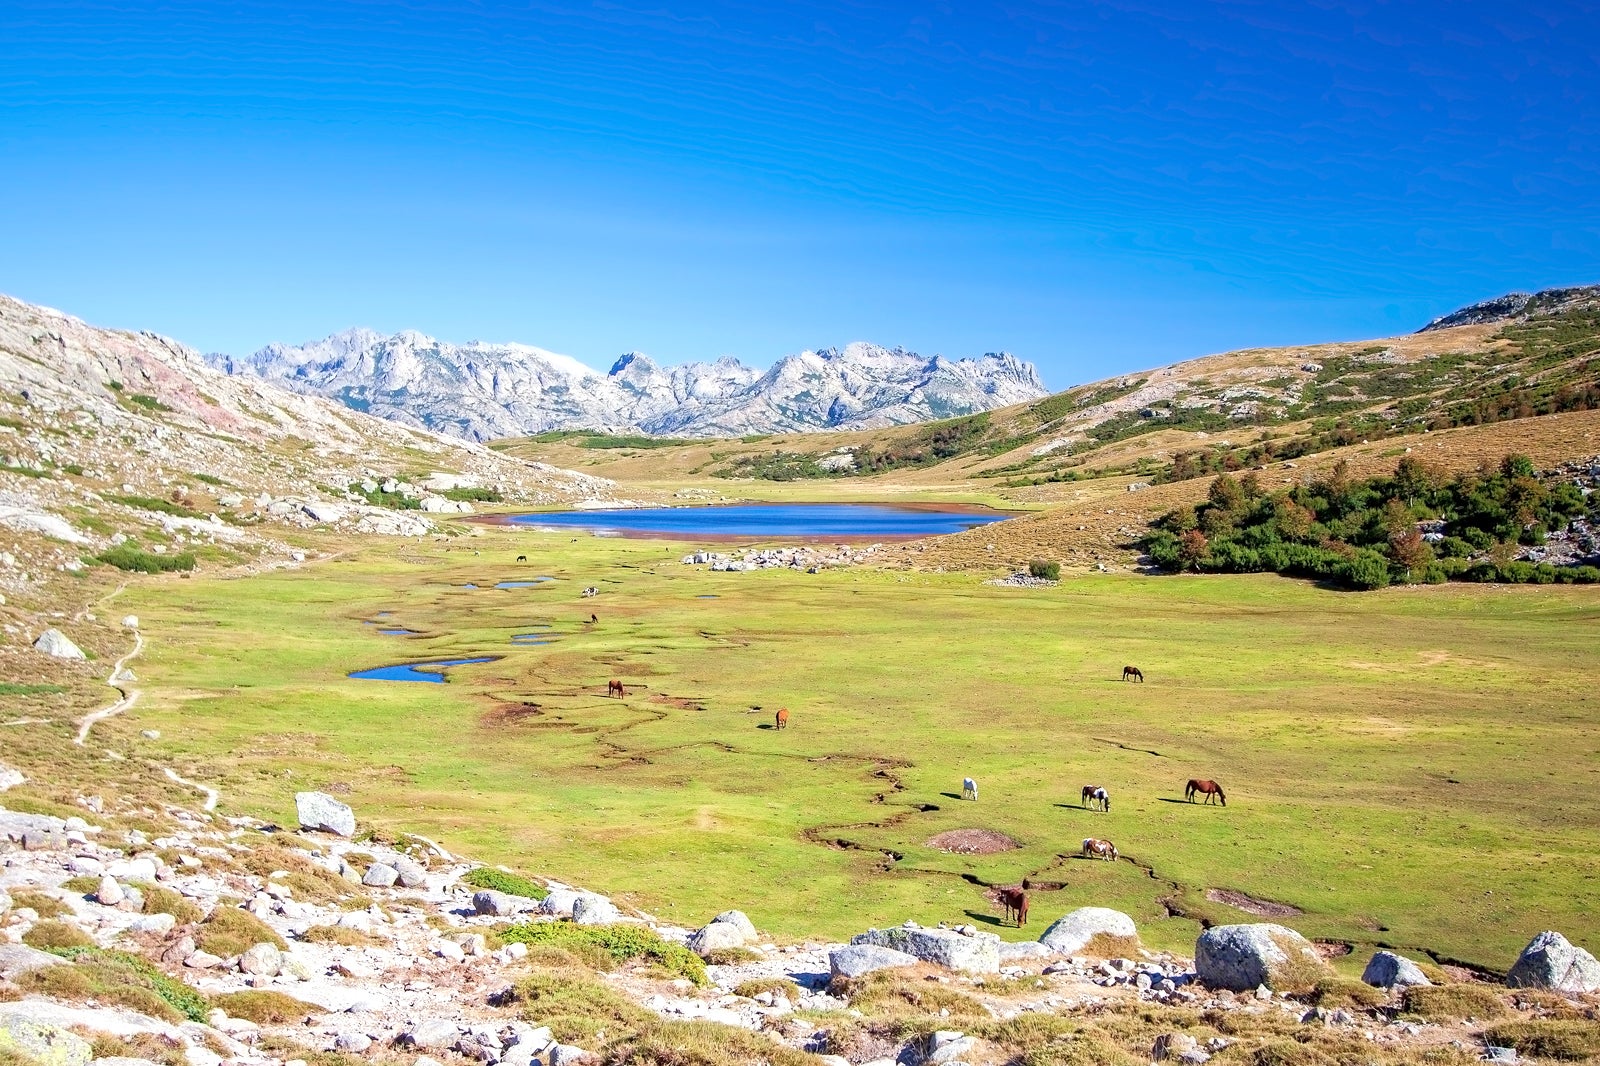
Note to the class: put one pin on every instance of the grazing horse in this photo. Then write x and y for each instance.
(1015, 902)
(1204, 788)
(1095, 795)
(1099, 849)
(522, 558)
(781, 719)
(594, 619)
(1133, 673)
(969, 788)
(615, 688)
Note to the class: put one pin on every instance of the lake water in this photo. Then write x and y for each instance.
(816, 521)
(432, 671)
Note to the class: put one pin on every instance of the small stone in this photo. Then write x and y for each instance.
(352, 1043)
(262, 960)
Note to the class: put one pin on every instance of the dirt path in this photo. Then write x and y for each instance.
(130, 695)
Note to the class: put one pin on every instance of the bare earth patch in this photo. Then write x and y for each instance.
(1250, 905)
(973, 842)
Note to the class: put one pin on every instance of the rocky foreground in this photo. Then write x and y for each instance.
(133, 933)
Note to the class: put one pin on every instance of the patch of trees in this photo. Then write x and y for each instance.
(134, 559)
(1366, 534)
(933, 443)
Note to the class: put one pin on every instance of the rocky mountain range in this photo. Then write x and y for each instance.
(483, 391)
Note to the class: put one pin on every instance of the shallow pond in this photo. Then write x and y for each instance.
(817, 521)
(429, 671)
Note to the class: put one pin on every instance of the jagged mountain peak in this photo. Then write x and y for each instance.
(484, 390)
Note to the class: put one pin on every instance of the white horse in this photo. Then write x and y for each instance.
(969, 788)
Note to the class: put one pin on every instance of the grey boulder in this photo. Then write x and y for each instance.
(594, 910)
(977, 953)
(411, 873)
(55, 643)
(501, 904)
(1072, 932)
(1387, 970)
(858, 959)
(432, 1033)
(380, 875)
(318, 810)
(723, 931)
(18, 959)
(262, 960)
(46, 1044)
(1551, 961)
(1243, 957)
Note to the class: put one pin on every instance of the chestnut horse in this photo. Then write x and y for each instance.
(1132, 673)
(615, 688)
(1015, 902)
(1204, 788)
(1096, 795)
(781, 719)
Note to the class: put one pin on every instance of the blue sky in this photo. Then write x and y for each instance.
(1093, 186)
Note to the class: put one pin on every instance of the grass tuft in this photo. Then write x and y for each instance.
(1568, 1040)
(231, 931)
(41, 903)
(264, 1007)
(620, 942)
(117, 977)
(1453, 1002)
(55, 935)
(778, 986)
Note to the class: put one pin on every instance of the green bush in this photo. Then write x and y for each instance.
(621, 942)
(501, 881)
(1044, 570)
(134, 559)
(472, 495)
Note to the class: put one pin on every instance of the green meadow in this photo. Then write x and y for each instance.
(1417, 768)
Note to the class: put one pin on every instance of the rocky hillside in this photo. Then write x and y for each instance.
(483, 391)
(128, 447)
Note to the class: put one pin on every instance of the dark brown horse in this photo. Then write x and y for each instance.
(1015, 902)
(615, 688)
(1207, 789)
(1096, 795)
(522, 558)
(781, 719)
(1133, 673)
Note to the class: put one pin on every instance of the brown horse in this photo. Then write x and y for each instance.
(1096, 795)
(1133, 673)
(615, 688)
(781, 719)
(1207, 789)
(522, 558)
(1015, 902)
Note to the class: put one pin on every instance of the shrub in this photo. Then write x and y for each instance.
(56, 936)
(1548, 1038)
(1044, 570)
(117, 977)
(1334, 992)
(1452, 1002)
(264, 1007)
(158, 900)
(504, 881)
(1366, 570)
(231, 931)
(621, 942)
(136, 560)
(778, 986)
(42, 903)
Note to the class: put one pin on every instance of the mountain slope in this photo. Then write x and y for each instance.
(484, 391)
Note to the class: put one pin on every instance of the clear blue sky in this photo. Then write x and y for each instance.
(1094, 186)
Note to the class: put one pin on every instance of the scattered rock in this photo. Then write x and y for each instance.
(431, 1033)
(54, 642)
(110, 893)
(858, 959)
(411, 873)
(262, 960)
(1070, 933)
(501, 904)
(10, 777)
(718, 934)
(380, 875)
(318, 810)
(1551, 961)
(1387, 970)
(594, 910)
(1242, 957)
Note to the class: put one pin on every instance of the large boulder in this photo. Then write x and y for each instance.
(589, 909)
(974, 952)
(18, 959)
(380, 875)
(1242, 957)
(858, 959)
(740, 920)
(318, 810)
(1551, 961)
(54, 642)
(715, 936)
(412, 874)
(46, 1044)
(1387, 970)
(1072, 932)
